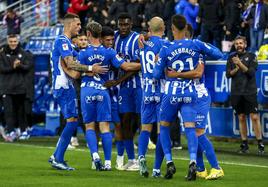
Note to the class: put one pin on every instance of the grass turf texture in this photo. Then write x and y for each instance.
(25, 164)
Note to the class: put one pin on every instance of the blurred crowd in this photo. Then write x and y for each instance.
(214, 21)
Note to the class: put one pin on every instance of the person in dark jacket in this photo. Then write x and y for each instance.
(14, 64)
(232, 9)
(12, 21)
(241, 67)
(211, 15)
(258, 21)
(29, 98)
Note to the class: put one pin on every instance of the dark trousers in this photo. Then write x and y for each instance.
(14, 111)
(211, 34)
(28, 105)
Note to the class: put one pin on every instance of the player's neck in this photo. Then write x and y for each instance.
(68, 34)
(95, 41)
(159, 34)
(179, 35)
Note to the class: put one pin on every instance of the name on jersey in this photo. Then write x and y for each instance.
(96, 56)
(179, 51)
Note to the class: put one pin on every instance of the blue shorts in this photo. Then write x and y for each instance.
(115, 112)
(130, 100)
(150, 108)
(171, 104)
(95, 105)
(202, 106)
(67, 100)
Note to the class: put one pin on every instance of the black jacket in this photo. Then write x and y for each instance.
(263, 22)
(12, 81)
(243, 83)
(211, 12)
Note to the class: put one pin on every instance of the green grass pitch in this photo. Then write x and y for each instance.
(24, 163)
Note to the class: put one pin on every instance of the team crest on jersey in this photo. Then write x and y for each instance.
(264, 83)
(65, 47)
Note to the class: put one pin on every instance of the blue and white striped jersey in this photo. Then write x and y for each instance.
(61, 49)
(147, 58)
(106, 56)
(128, 48)
(181, 55)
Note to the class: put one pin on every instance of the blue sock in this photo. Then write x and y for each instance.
(143, 142)
(64, 140)
(166, 142)
(207, 147)
(192, 142)
(120, 147)
(107, 145)
(129, 145)
(92, 141)
(159, 154)
(199, 160)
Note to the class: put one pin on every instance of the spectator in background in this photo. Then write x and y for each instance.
(232, 9)
(79, 7)
(211, 15)
(241, 67)
(134, 9)
(153, 8)
(13, 22)
(116, 8)
(97, 12)
(14, 64)
(169, 11)
(190, 13)
(258, 21)
(180, 6)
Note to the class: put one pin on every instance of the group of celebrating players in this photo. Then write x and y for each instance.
(126, 78)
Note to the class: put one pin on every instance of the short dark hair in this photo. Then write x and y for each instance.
(82, 33)
(124, 15)
(12, 36)
(94, 28)
(241, 38)
(70, 16)
(179, 21)
(107, 31)
(190, 30)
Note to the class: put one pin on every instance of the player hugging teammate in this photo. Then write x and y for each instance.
(145, 80)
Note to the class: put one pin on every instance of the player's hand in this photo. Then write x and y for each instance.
(171, 73)
(110, 83)
(99, 69)
(236, 60)
(141, 41)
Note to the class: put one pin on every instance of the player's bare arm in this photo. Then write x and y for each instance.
(72, 73)
(74, 65)
(193, 74)
(111, 83)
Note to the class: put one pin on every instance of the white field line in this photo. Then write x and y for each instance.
(148, 155)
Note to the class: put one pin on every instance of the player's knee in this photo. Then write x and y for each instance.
(90, 126)
(254, 117)
(147, 127)
(104, 127)
(72, 119)
(242, 117)
(164, 123)
(199, 132)
(189, 124)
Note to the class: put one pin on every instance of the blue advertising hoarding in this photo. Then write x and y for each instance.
(219, 86)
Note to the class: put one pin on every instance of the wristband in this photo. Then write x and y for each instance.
(90, 68)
